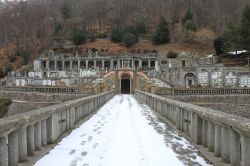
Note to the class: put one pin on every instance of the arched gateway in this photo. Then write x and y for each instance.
(125, 82)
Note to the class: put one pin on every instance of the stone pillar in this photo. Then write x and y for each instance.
(47, 65)
(72, 117)
(55, 65)
(4, 151)
(22, 144)
(30, 140)
(245, 150)
(38, 136)
(13, 148)
(70, 65)
(94, 64)
(87, 64)
(103, 62)
(217, 141)
(225, 147)
(63, 65)
(149, 64)
(234, 148)
(111, 64)
(211, 136)
(140, 63)
(204, 133)
(44, 132)
(196, 127)
(52, 129)
(118, 64)
(79, 64)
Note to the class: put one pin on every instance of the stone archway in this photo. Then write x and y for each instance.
(125, 84)
(189, 80)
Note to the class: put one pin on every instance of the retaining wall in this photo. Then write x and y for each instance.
(226, 135)
(23, 134)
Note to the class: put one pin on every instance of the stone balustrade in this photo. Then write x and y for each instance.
(226, 135)
(42, 89)
(201, 91)
(24, 134)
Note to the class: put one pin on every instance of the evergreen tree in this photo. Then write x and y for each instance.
(188, 16)
(141, 27)
(218, 46)
(66, 12)
(129, 39)
(188, 22)
(78, 37)
(245, 28)
(116, 35)
(162, 32)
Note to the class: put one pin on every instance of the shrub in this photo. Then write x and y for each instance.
(101, 35)
(172, 54)
(141, 27)
(78, 37)
(92, 38)
(12, 58)
(129, 39)
(25, 56)
(4, 106)
(116, 35)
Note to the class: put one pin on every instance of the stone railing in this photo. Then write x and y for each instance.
(201, 91)
(42, 89)
(23, 134)
(226, 135)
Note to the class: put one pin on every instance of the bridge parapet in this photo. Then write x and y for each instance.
(226, 135)
(201, 91)
(23, 134)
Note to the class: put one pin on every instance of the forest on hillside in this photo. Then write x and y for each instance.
(32, 24)
(22, 20)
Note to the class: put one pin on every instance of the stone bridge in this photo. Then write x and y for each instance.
(224, 139)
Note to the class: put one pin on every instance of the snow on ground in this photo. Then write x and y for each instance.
(124, 132)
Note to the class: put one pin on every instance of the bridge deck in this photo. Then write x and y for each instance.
(124, 132)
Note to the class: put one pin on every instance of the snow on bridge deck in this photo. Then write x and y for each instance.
(124, 132)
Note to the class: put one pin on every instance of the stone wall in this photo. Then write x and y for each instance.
(227, 136)
(23, 101)
(23, 135)
(238, 104)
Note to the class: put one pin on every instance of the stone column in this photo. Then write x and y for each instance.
(118, 64)
(38, 136)
(52, 129)
(111, 64)
(63, 65)
(245, 150)
(30, 140)
(149, 64)
(47, 65)
(4, 151)
(196, 127)
(55, 65)
(234, 148)
(217, 141)
(94, 64)
(140, 63)
(103, 62)
(72, 117)
(79, 63)
(211, 132)
(225, 147)
(70, 65)
(87, 64)
(44, 132)
(13, 148)
(204, 133)
(22, 144)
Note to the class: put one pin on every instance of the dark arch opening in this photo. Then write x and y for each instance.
(125, 86)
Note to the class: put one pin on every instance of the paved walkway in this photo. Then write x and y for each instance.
(123, 132)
